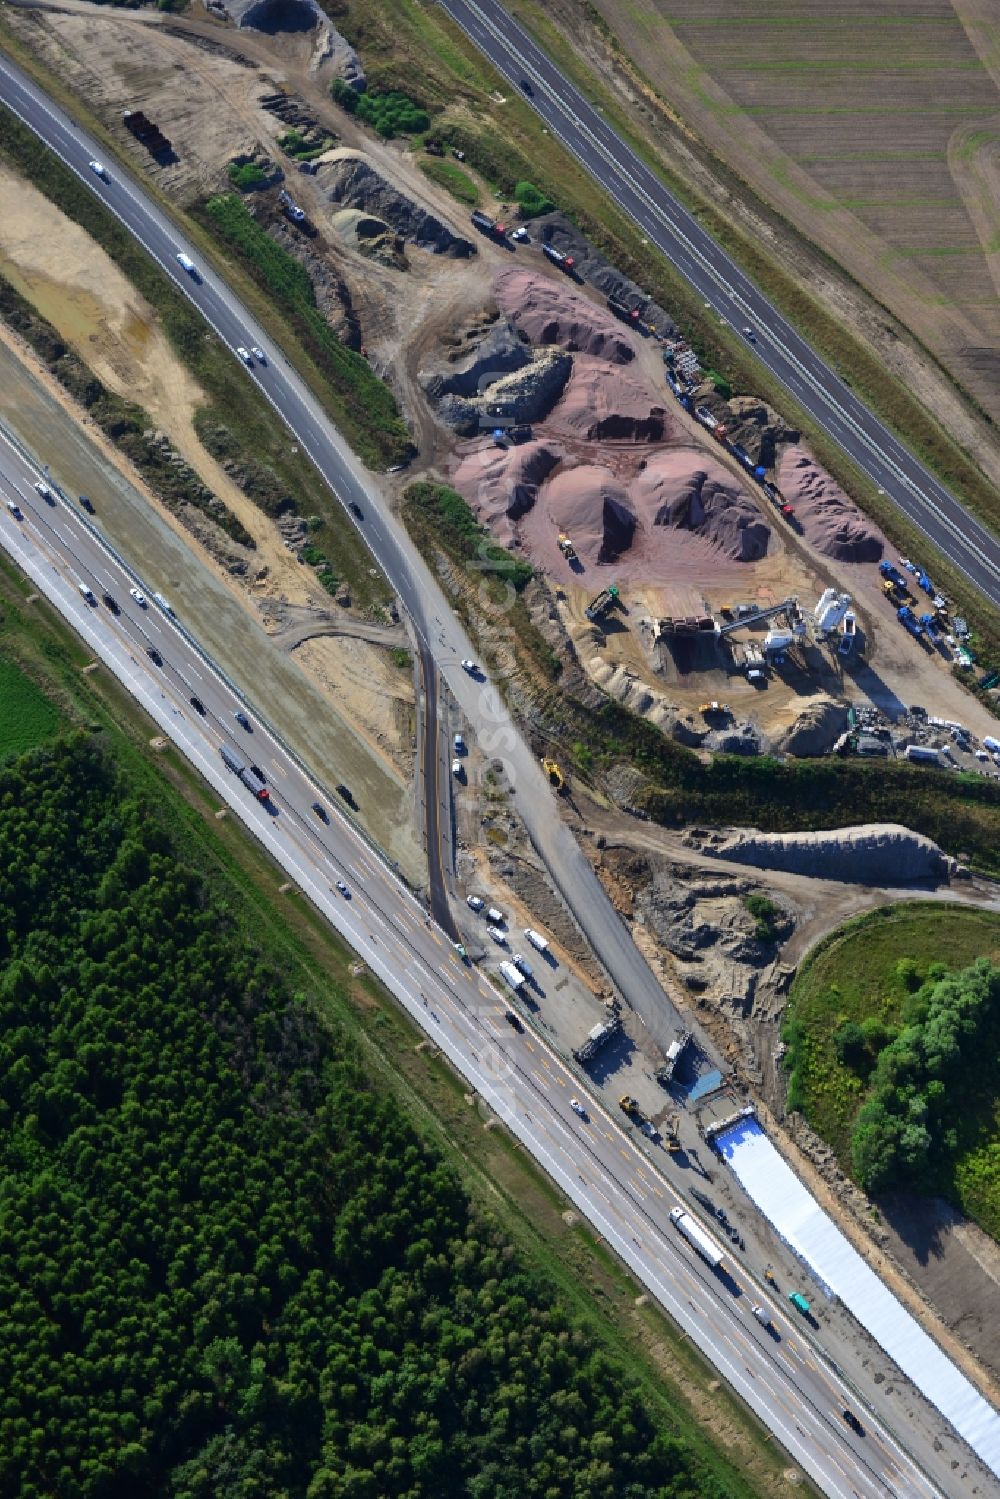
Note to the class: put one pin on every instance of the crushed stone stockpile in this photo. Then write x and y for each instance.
(349, 180)
(548, 313)
(554, 229)
(684, 490)
(880, 853)
(589, 504)
(603, 402)
(502, 483)
(681, 512)
(831, 522)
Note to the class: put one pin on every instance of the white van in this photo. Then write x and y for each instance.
(187, 264)
(497, 917)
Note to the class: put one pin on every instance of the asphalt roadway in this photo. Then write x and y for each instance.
(433, 620)
(778, 1372)
(973, 549)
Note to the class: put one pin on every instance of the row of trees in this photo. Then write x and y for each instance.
(228, 1267)
(933, 1087)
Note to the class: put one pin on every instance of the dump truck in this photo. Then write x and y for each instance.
(246, 773)
(623, 310)
(701, 1242)
(605, 600)
(556, 778)
(564, 262)
(490, 227)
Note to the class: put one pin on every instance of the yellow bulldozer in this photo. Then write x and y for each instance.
(556, 778)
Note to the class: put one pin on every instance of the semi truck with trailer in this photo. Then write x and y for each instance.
(564, 262)
(251, 780)
(540, 943)
(701, 1242)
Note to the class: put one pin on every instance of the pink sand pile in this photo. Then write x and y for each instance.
(501, 484)
(829, 520)
(588, 504)
(683, 489)
(548, 313)
(604, 403)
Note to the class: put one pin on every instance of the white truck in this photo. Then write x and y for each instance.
(510, 976)
(536, 939)
(701, 1242)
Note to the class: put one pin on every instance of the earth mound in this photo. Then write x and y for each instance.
(350, 181)
(685, 490)
(605, 403)
(830, 521)
(881, 853)
(501, 484)
(588, 504)
(816, 729)
(547, 313)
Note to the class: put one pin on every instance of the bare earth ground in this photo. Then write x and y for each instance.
(79, 290)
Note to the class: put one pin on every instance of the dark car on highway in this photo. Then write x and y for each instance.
(357, 510)
(526, 87)
(243, 722)
(321, 811)
(154, 655)
(198, 706)
(110, 602)
(853, 1421)
(514, 1020)
(346, 793)
(87, 504)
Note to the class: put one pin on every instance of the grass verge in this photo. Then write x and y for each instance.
(676, 1381)
(447, 175)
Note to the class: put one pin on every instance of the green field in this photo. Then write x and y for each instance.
(27, 716)
(867, 973)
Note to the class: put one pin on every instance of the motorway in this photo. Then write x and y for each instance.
(779, 1374)
(420, 594)
(601, 1171)
(723, 287)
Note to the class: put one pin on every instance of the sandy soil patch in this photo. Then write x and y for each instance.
(380, 694)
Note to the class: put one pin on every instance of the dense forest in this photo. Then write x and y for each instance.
(228, 1267)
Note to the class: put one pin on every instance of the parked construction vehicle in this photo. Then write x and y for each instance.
(564, 262)
(566, 547)
(714, 709)
(671, 1129)
(605, 600)
(628, 1105)
(556, 778)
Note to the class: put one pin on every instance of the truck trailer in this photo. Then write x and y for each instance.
(701, 1242)
(245, 772)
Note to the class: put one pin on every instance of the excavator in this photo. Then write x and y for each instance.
(556, 778)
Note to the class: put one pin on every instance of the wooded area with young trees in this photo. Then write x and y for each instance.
(227, 1267)
(933, 1091)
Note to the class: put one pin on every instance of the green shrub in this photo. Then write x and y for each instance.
(401, 657)
(765, 914)
(247, 175)
(532, 200)
(389, 114)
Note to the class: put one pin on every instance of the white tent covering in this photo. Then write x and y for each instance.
(804, 1226)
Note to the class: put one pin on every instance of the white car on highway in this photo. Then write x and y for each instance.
(258, 354)
(578, 1108)
(245, 355)
(99, 170)
(139, 597)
